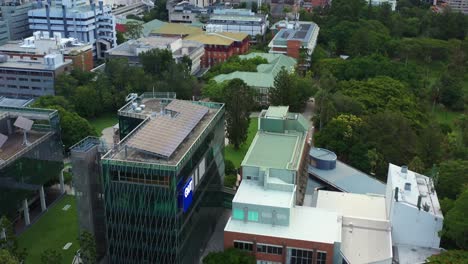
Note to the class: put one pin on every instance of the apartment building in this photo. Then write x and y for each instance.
(74, 19)
(41, 44)
(15, 15)
(31, 77)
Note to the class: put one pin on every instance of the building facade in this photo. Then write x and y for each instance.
(4, 32)
(88, 23)
(162, 183)
(28, 160)
(179, 48)
(15, 14)
(266, 221)
(458, 5)
(221, 46)
(31, 77)
(294, 37)
(237, 20)
(40, 44)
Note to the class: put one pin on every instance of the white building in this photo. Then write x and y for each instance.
(414, 211)
(458, 5)
(179, 48)
(237, 20)
(366, 231)
(73, 18)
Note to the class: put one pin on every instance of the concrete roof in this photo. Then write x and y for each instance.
(349, 179)
(266, 73)
(273, 150)
(149, 26)
(420, 185)
(15, 102)
(366, 241)
(177, 29)
(218, 38)
(407, 254)
(253, 191)
(236, 18)
(306, 224)
(277, 112)
(355, 205)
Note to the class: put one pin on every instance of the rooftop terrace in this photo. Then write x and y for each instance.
(169, 130)
(326, 227)
(254, 191)
(274, 150)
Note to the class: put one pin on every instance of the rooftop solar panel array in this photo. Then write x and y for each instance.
(164, 133)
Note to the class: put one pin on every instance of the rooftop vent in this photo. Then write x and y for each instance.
(407, 186)
(404, 169)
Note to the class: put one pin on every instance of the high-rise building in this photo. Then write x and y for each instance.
(75, 19)
(161, 184)
(31, 154)
(15, 15)
(4, 32)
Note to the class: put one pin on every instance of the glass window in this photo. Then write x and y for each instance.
(321, 257)
(300, 256)
(253, 216)
(238, 214)
(242, 245)
(270, 249)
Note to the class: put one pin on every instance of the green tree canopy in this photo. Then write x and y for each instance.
(229, 256)
(87, 247)
(455, 224)
(51, 256)
(7, 258)
(450, 257)
(453, 175)
(239, 100)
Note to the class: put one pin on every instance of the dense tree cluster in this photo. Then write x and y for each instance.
(229, 256)
(235, 63)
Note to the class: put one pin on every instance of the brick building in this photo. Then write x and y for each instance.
(265, 218)
(36, 46)
(221, 46)
(293, 37)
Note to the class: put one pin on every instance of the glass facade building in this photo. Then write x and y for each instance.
(163, 210)
(27, 163)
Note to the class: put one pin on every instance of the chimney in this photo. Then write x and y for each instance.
(404, 169)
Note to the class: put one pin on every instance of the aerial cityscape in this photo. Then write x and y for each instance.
(233, 132)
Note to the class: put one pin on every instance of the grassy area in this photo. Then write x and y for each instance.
(236, 156)
(104, 121)
(53, 230)
(445, 116)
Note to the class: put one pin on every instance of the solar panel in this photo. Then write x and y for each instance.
(163, 134)
(3, 139)
(23, 123)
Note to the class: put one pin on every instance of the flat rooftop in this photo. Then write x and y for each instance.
(130, 47)
(14, 144)
(351, 204)
(419, 185)
(407, 254)
(301, 30)
(228, 18)
(28, 64)
(167, 132)
(349, 179)
(366, 241)
(15, 102)
(253, 191)
(306, 224)
(274, 150)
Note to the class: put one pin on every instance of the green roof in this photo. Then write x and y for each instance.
(277, 112)
(273, 150)
(266, 73)
(152, 25)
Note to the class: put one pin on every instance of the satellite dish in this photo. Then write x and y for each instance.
(26, 125)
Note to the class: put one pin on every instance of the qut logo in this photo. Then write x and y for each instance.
(188, 189)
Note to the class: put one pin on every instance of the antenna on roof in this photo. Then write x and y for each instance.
(26, 125)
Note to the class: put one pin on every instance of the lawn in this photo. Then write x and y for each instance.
(104, 121)
(236, 156)
(53, 230)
